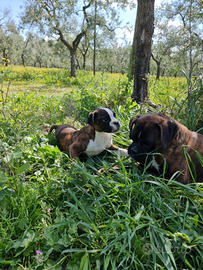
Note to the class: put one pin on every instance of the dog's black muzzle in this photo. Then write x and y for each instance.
(138, 154)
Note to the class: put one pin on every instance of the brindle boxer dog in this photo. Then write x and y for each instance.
(93, 138)
(158, 133)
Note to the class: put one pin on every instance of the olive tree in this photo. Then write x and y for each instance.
(69, 21)
(9, 37)
(187, 19)
(66, 20)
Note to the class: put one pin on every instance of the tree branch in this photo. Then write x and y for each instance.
(78, 38)
(109, 29)
(67, 44)
(85, 13)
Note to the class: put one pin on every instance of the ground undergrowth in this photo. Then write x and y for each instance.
(56, 213)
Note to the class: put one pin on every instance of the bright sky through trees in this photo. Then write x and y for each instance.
(126, 16)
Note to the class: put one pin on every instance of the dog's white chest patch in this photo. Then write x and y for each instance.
(101, 142)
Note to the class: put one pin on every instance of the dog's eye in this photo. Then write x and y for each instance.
(105, 120)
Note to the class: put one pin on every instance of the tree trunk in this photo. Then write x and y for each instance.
(72, 60)
(158, 70)
(23, 61)
(158, 62)
(95, 36)
(5, 56)
(144, 29)
(72, 48)
(132, 59)
(84, 61)
(4, 53)
(78, 64)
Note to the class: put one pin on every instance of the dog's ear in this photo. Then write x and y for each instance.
(90, 119)
(132, 121)
(168, 132)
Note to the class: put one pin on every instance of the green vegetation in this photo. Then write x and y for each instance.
(59, 214)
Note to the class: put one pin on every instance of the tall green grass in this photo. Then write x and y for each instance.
(56, 213)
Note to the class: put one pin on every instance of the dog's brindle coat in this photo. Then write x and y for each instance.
(93, 138)
(158, 133)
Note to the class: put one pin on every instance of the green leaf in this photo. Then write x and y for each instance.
(194, 220)
(25, 241)
(183, 236)
(106, 262)
(23, 168)
(70, 250)
(5, 262)
(22, 223)
(84, 262)
(124, 215)
(175, 70)
(2, 176)
(17, 154)
(2, 194)
(72, 265)
(117, 239)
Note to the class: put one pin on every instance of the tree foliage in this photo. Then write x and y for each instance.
(69, 21)
(171, 39)
(170, 47)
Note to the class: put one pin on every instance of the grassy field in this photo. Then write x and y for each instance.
(59, 214)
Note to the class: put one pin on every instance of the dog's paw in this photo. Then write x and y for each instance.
(122, 152)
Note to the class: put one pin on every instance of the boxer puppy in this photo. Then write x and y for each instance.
(158, 138)
(91, 139)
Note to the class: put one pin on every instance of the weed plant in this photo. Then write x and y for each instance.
(56, 213)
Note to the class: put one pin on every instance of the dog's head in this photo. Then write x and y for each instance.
(150, 133)
(104, 120)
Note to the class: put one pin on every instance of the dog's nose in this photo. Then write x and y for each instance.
(116, 123)
(132, 149)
